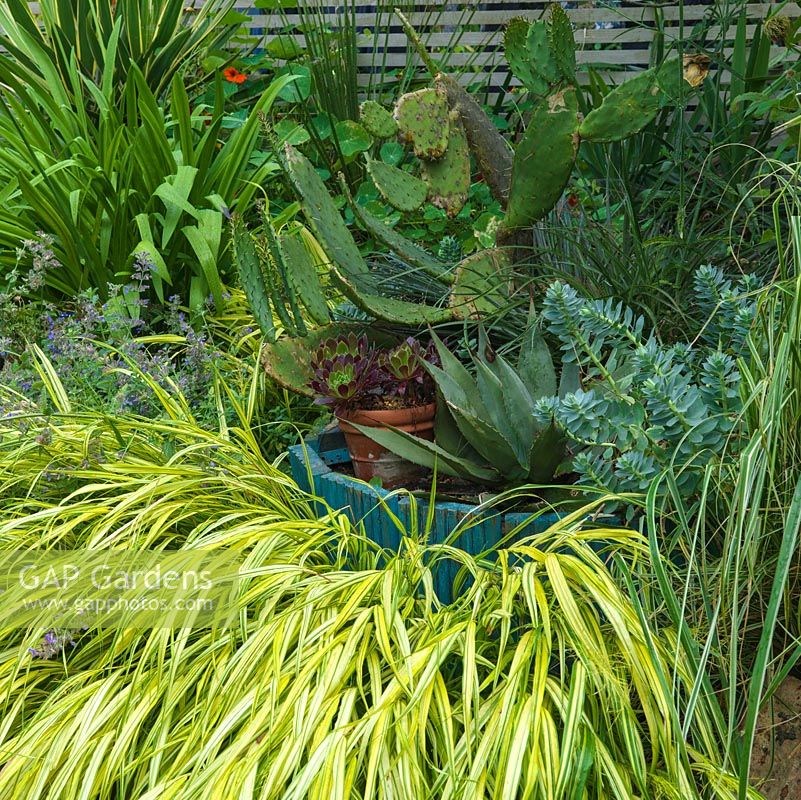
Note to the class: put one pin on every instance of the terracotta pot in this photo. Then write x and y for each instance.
(369, 458)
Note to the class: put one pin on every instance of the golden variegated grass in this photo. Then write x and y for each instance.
(345, 678)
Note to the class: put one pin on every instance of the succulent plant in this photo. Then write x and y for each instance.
(423, 118)
(404, 366)
(450, 250)
(400, 189)
(345, 372)
(485, 428)
(448, 178)
(645, 405)
(377, 120)
(346, 344)
(447, 128)
(348, 371)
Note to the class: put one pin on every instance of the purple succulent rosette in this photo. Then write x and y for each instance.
(348, 370)
(405, 372)
(344, 371)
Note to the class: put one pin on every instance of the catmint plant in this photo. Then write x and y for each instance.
(42, 257)
(53, 644)
(98, 352)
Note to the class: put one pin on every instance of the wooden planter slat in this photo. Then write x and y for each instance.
(478, 532)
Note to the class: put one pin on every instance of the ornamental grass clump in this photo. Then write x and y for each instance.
(340, 678)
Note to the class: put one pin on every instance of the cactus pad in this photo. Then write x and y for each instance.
(404, 248)
(629, 107)
(377, 120)
(492, 152)
(516, 48)
(322, 215)
(274, 269)
(541, 57)
(288, 360)
(248, 263)
(481, 283)
(449, 178)
(562, 43)
(541, 54)
(401, 190)
(303, 278)
(424, 122)
(389, 309)
(544, 159)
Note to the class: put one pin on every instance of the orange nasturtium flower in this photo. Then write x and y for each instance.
(233, 75)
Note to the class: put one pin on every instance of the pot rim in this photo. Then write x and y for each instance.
(384, 415)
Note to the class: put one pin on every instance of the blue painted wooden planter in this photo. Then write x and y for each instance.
(311, 468)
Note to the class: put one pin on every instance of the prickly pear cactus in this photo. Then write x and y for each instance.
(339, 245)
(544, 159)
(517, 55)
(322, 215)
(251, 276)
(629, 107)
(303, 278)
(529, 53)
(400, 189)
(423, 119)
(561, 43)
(540, 54)
(284, 297)
(404, 248)
(480, 285)
(442, 123)
(377, 120)
(448, 178)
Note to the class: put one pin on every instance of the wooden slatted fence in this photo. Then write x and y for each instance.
(610, 36)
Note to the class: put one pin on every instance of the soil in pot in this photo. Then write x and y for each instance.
(370, 460)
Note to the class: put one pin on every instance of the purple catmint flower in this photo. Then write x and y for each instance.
(53, 644)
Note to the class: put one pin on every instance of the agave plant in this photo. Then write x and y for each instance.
(486, 429)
